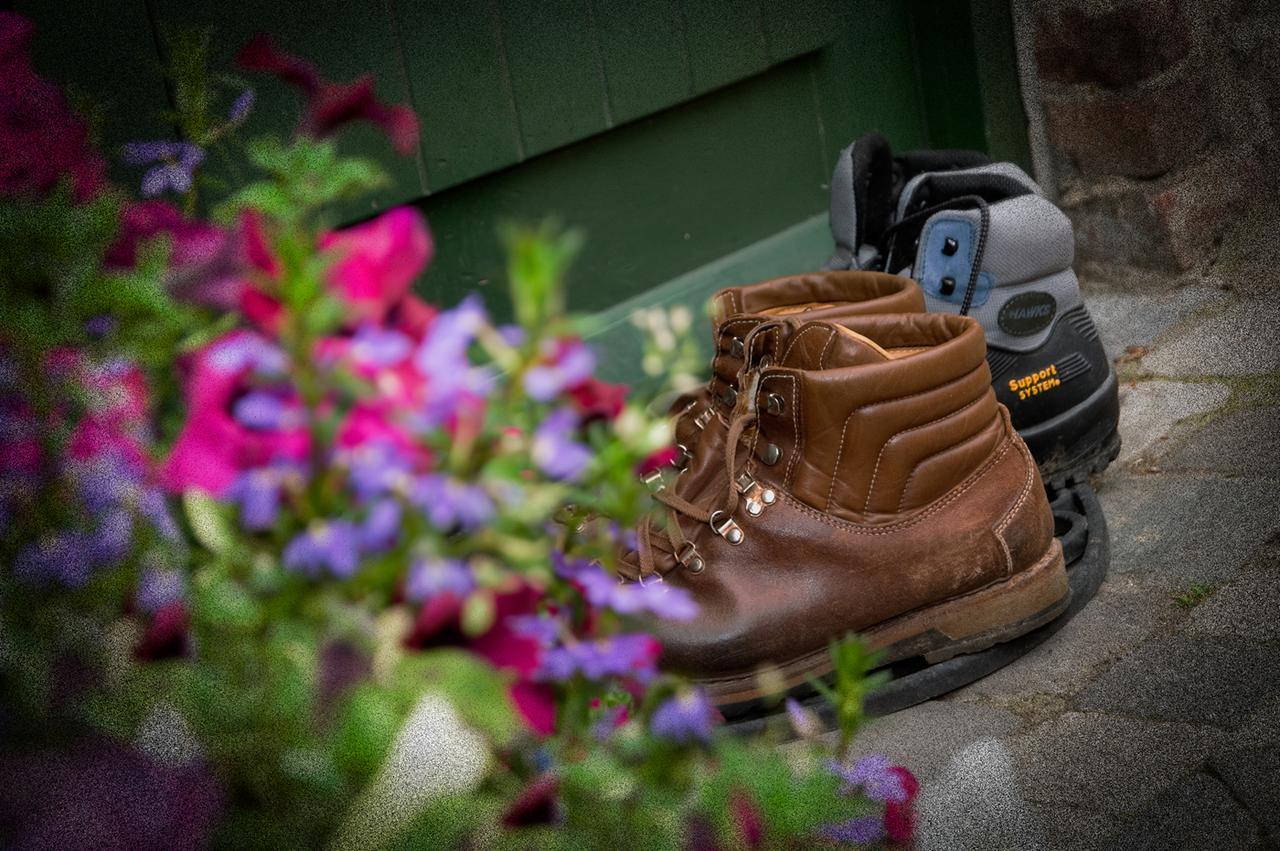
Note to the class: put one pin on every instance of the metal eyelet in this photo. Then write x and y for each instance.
(736, 348)
(690, 559)
(653, 481)
(727, 528)
(684, 458)
(775, 404)
(772, 454)
(729, 397)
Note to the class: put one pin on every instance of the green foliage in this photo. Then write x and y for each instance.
(854, 677)
(1195, 595)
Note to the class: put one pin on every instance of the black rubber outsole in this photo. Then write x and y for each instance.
(1082, 529)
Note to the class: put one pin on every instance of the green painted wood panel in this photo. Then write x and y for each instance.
(947, 70)
(1004, 121)
(642, 45)
(106, 54)
(663, 195)
(793, 27)
(866, 80)
(725, 41)
(556, 71)
(345, 38)
(457, 70)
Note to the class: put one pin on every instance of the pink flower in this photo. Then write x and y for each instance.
(213, 447)
(41, 140)
(378, 261)
(502, 646)
(375, 265)
(331, 105)
(598, 400)
(900, 816)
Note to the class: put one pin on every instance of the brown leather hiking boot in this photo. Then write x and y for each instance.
(736, 310)
(865, 480)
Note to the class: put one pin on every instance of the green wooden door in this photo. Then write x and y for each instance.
(691, 139)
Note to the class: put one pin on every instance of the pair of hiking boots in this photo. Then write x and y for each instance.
(850, 466)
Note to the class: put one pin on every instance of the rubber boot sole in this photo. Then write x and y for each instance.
(967, 624)
(1080, 441)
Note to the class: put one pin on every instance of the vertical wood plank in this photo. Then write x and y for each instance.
(555, 71)
(794, 27)
(345, 39)
(642, 44)
(457, 72)
(725, 41)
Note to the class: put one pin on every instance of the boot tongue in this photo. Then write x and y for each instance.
(824, 345)
(861, 199)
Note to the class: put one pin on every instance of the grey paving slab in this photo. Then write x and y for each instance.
(1243, 340)
(1177, 530)
(1118, 619)
(974, 804)
(1077, 828)
(1253, 776)
(1106, 764)
(1245, 443)
(1188, 678)
(1249, 607)
(1196, 814)
(1151, 410)
(1138, 319)
(927, 736)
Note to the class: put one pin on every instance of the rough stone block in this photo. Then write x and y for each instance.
(1139, 319)
(1112, 47)
(1194, 212)
(1149, 411)
(1254, 778)
(1141, 132)
(1242, 340)
(1245, 443)
(1103, 764)
(1173, 531)
(975, 804)
(1197, 813)
(1188, 678)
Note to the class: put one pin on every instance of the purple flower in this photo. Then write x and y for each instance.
(450, 504)
(862, 830)
(331, 545)
(248, 351)
(100, 326)
(62, 557)
(555, 451)
(110, 541)
(154, 508)
(381, 526)
(606, 592)
(442, 360)
(512, 335)
(806, 724)
(158, 588)
(103, 482)
(265, 411)
(628, 655)
(431, 576)
(257, 493)
(573, 364)
(241, 107)
(375, 468)
(874, 776)
(377, 348)
(685, 718)
(176, 164)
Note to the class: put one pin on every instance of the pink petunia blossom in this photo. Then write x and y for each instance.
(213, 448)
(378, 261)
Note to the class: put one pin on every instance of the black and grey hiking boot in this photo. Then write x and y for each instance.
(981, 239)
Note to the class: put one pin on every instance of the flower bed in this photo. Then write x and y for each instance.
(293, 558)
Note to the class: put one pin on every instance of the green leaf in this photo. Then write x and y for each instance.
(477, 690)
(209, 522)
(369, 722)
(224, 604)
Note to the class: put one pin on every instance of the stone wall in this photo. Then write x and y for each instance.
(1156, 124)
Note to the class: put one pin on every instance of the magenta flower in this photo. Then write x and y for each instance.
(213, 448)
(687, 717)
(555, 451)
(331, 105)
(332, 546)
(378, 261)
